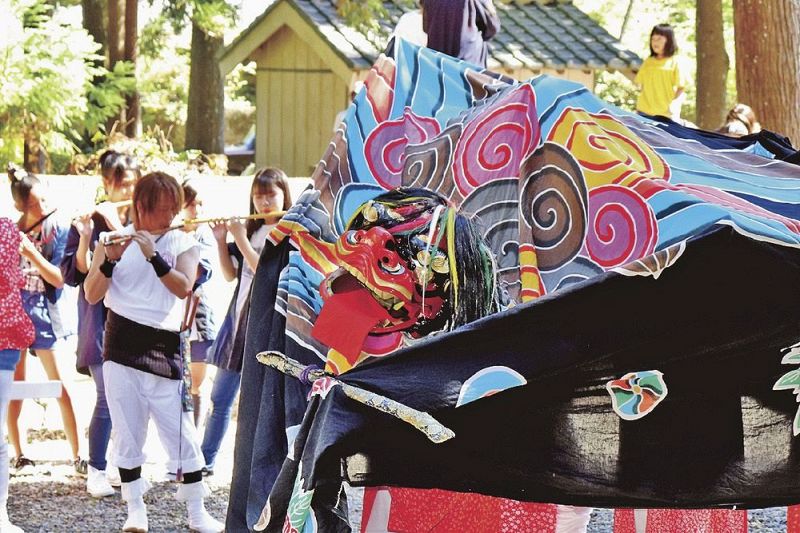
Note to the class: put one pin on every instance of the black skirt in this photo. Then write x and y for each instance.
(152, 350)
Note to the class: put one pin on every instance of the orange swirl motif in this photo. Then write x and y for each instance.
(606, 149)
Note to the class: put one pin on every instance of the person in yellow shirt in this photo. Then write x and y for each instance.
(661, 80)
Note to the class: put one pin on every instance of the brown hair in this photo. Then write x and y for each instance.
(265, 179)
(150, 189)
(114, 167)
(741, 120)
(189, 192)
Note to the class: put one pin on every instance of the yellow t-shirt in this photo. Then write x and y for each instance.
(659, 79)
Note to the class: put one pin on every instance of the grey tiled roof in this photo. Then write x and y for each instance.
(538, 34)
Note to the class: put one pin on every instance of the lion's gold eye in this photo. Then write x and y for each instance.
(424, 257)
(424, 276)
(370, 213)
(440, 264)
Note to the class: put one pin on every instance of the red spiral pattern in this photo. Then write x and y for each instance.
(622, 226)
(385, 148)
(496, 141)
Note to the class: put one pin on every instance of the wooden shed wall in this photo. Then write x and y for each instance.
(297, 98)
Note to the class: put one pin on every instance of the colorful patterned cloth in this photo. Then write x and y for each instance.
(619, 248)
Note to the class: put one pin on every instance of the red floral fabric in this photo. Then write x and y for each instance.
(441, 511)
(793, 519)
(16, 329)
(682, 520)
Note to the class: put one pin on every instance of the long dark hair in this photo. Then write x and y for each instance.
(264, 180)
(189, 192)
(114, 166)
(21, 183)
(671, 47)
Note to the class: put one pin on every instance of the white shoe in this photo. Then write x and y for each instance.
(96, 483)
(112, 476)
(205, 523)
(133, 494)
(137, 520)
(199, 519)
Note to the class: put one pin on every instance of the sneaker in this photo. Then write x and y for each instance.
(112, 475)
(23, 466)
(81, 466)
(96, 483)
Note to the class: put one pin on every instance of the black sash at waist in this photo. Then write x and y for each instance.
(152, 350)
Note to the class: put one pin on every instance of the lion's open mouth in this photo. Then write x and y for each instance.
(348, 279)
(354, 311)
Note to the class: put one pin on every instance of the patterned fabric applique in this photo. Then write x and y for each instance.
(791, 380)
(637, 393)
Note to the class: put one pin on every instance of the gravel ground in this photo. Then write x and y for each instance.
(54, 498)
(59, 502)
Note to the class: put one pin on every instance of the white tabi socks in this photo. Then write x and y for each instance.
(199, 519)
(133, 494)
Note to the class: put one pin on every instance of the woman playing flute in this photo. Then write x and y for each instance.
(119, 174)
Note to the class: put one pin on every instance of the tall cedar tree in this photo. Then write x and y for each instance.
(205, 113)
(768, 62)
(133, 123)
(712, 65)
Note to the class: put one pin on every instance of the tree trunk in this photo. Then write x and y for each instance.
(768, 62)
(133, 125)
(35, 159)
(115, 33)
(94, 22)
(624, 27)
(205, 114)
(712, 65)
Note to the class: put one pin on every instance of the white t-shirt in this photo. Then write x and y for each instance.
(409, 27)
(138, 294)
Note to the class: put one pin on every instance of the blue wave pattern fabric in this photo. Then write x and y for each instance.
(622, 248)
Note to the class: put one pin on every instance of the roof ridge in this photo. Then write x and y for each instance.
(536, 34)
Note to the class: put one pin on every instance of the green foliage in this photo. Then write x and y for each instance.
(154, 37)
(212, 16)
(163, 89)
(616, 89)
(48, 92)
(364, 14)
(240, 84)
(154, 152)
(681, 14)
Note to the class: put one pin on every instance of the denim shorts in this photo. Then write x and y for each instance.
(35, 305)
(200, 350)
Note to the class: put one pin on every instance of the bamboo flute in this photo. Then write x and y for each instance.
(266, 216)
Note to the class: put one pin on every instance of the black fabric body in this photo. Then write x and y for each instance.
(152, 350)
(714, 323)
